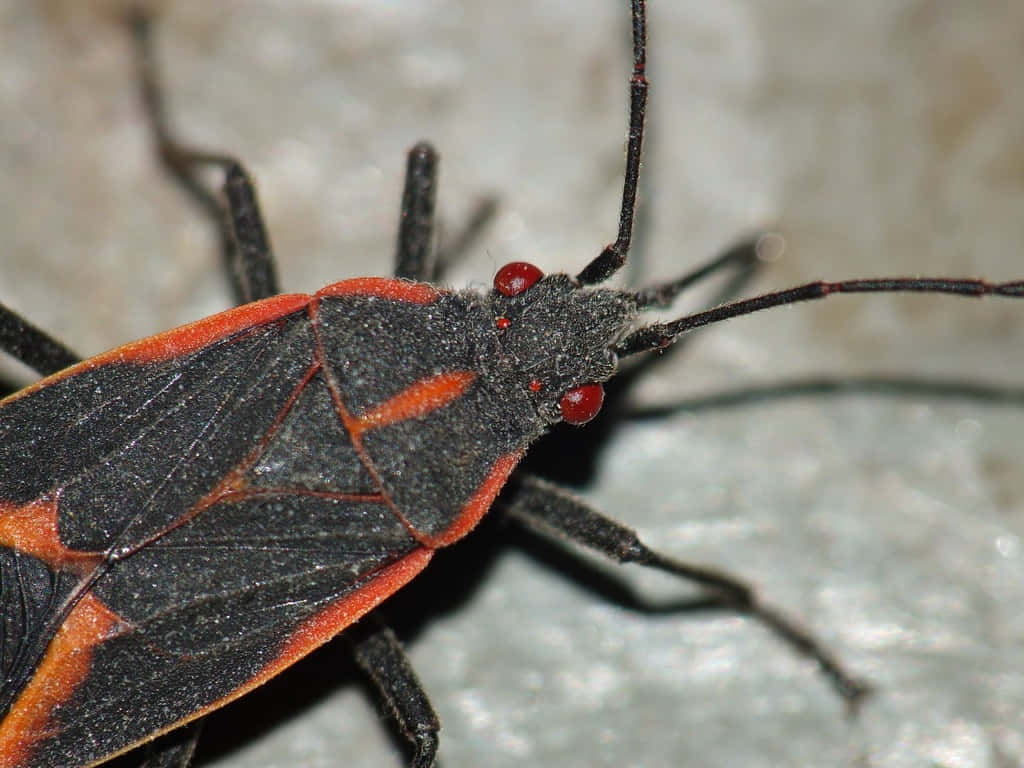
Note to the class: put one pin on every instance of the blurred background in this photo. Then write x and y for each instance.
(877, 138)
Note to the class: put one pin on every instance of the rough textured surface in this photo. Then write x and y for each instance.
(878, 138)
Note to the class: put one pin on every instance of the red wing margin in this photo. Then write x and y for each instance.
(214, 571)
(182, 518)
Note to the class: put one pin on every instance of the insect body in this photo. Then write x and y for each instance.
(286, 511)
(208, 505)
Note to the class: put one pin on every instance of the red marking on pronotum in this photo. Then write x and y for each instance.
(65, 665)
(415, 402)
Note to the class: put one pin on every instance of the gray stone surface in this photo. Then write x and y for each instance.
(878, 138)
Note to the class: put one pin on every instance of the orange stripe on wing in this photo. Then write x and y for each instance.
(313, 633)
(63, 668)
(32, 529)
(182, 340)
(189, 338)
(415, 402)
(329, 622)
(384, 288)
(333, 619)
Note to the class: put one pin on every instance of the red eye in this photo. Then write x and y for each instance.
(515, 277)
(581, 404)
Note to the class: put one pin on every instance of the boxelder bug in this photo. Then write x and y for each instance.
(50, 357)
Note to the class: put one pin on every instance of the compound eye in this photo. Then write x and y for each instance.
(581, 404)
(515, 277)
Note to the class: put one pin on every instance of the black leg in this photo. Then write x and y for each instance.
(741, 258)
(173, 750)
(252, 268)
(245, 246)
(413, 257)
(380, 655)
(548, 510)
(36, 349)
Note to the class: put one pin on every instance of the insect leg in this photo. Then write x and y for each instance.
(741, 257)
(413, 257)
(245, 247)
(173, 750)
(380, 655)
(35, 348)
(550, 511)
(251, 266)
